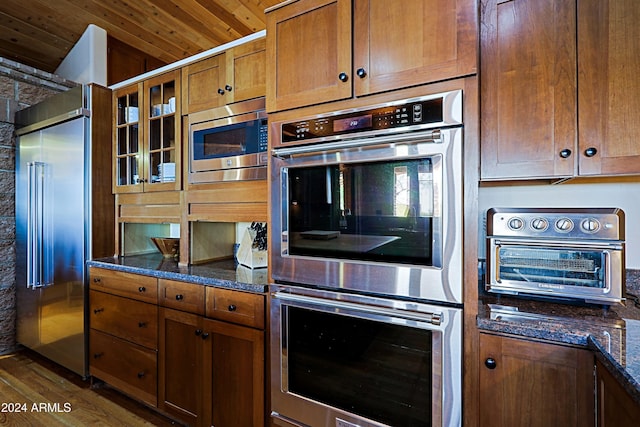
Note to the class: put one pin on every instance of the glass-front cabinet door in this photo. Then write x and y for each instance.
(147, 135)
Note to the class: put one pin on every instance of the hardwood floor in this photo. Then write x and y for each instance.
(36, 392)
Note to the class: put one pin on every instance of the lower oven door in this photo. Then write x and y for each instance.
(590, 271)
(347, 360)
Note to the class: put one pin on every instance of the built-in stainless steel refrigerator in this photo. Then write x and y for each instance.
(64, 216)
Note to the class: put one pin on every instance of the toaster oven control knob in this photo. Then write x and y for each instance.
(590, 225)
(515, 223)
(539, 224)
(564, 225)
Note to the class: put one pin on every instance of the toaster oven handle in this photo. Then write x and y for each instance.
(382, 142)
(496, 260)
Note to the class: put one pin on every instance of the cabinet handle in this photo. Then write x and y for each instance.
(96, 280)
(205, 335)
(179, 297)
(490, 363)
(141, 374)
(343, 77)
(232, 307)
(221, 91)
(565, 153)
(228, 88)
(97, 355)
(142, 289)
(142, 324)
(98, 310)
(591, 151)
(198, 332)
(361, 72)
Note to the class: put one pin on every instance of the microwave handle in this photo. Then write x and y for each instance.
(382, 142)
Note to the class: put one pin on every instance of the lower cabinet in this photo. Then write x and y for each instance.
(526, 383)
(211, 372)
(615, 407)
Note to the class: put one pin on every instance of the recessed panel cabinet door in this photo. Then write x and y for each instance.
(609, 86)
(528, 88)
(309, 53)
(406, 43)
(533, 384)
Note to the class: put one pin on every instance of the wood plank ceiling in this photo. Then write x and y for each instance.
(40, 33)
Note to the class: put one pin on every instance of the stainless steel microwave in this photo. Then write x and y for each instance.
(228, 143)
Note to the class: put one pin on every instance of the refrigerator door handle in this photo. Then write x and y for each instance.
(35, 226)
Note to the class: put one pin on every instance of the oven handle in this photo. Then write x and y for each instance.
(433, 318)
(382, 142)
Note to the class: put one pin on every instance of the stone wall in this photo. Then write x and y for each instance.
(20, 87)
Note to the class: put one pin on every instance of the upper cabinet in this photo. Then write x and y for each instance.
(394, 45)
(235, 75)
(559, 88)
(147, 148)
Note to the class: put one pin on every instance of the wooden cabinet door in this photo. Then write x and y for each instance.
(309, 48)
(615, 407)
(246, 71)
(180, 368)
(203, 85)
(128, 137)
(524, 383)
(609, 87)
(406, 43)
(528, 88)
(236, 374)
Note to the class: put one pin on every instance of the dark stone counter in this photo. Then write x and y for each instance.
(612, 333)
(224, 274)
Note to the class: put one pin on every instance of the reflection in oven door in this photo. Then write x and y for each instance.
(363, 361)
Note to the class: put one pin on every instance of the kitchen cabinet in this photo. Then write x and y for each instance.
(526, 383)
(235, 75)
(320, 51)
(558, 88)
(615, 407)
(211, 370)
(123, 338)
(147, 149)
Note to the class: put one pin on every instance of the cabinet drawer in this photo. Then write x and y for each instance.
(143, 288)
(235, 306)
(128, 367)
(125, 318)
(181, 296)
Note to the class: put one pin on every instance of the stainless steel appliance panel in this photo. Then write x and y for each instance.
(351, 360)
(52, 219)
(438, 279)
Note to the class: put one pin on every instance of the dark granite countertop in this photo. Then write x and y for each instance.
(224, 274)
(612, 333)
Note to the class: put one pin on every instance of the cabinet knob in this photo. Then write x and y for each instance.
(228, 88)
(142, 324)
(361, 72)
(98, 310)
(490, 363)
(343, 77)
(97, 355)
(179, 297)
(142, 289)
(591, 151)
(198, 332)
(232, 307)
(96, 280)
(221, 91)
(141, 374)
(205, 335)
(565, 153)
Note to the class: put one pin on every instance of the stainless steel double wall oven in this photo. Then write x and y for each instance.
(366, 313)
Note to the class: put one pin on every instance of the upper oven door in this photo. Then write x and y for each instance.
(581, 270)
(380, 215)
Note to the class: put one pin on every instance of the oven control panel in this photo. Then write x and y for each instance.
(587, 224)
(396, 115)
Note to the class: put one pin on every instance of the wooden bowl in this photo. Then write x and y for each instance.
(169, 247)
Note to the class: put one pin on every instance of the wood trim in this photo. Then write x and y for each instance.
(228, 212)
